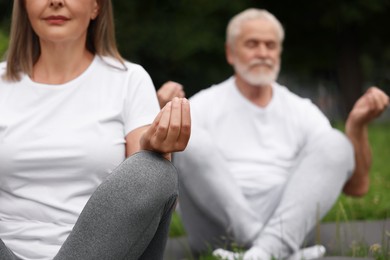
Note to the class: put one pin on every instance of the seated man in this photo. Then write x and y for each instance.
(264, 165)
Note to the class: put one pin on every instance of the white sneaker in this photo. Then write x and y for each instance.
(253, 253)
(256, 253)
(226, 254)
(308, 253)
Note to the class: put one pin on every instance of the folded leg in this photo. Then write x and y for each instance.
(211, 202)
(6, 253)
(128, 216)
(315, 184)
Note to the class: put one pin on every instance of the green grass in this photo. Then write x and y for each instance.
(374, 205)
(176, 228)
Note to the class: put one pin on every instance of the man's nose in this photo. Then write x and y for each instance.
(262, 50)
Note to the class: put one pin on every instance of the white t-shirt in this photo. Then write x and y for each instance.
(260, 145)
(58, 143)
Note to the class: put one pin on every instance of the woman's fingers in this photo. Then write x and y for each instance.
(170, 131)
(185, 131)
(162, 128)
(174, 122)
(179, 129)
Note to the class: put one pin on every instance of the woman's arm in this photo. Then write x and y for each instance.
(169, 132)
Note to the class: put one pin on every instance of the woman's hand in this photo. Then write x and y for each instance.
(170, 131)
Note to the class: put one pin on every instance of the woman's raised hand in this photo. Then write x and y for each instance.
(170, 130)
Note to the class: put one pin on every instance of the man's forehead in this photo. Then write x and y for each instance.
(260, 29)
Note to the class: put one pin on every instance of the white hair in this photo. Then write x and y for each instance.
(234, 26)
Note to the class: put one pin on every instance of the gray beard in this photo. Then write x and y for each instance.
(259, 79)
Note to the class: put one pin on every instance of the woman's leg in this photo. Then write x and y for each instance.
(6, 253)
(128, 216)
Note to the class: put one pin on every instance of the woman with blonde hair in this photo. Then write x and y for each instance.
(83, 144)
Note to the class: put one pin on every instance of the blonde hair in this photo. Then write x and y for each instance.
(24, 48)
(234, 26)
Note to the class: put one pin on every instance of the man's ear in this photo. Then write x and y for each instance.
(229, 53)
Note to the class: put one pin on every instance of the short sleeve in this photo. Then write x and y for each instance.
(141, 104)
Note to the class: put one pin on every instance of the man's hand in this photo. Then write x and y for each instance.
(170, 131)
(368, 107)
(168, 91)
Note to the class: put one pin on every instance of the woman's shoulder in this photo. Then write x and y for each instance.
(118, 65)
(121, 68)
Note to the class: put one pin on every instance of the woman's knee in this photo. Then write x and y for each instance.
(146, 174)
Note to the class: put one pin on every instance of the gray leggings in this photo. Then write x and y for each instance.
(127, 217)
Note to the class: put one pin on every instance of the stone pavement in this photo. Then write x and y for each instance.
(339, 239)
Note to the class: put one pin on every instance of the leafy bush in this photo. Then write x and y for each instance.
(3, 43)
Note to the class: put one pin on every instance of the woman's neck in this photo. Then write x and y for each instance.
(59, 64)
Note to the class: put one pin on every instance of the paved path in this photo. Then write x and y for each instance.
(338, 238)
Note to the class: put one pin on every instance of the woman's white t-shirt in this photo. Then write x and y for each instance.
(58, 143)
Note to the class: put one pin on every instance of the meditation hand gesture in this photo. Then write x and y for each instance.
(168, 91)
(368, 107)
(170, 131)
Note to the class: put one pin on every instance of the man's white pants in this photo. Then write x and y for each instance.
(215, 212)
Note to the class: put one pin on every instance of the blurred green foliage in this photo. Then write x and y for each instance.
(3, 43)
(5, 13)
